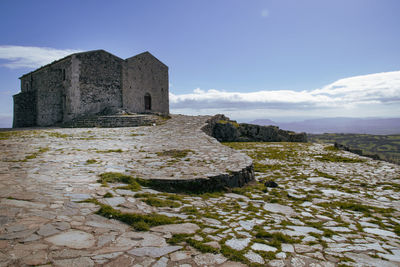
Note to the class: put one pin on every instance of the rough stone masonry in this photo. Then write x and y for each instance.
(90, 83)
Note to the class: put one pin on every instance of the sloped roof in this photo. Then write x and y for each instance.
(147, 53)
(74, 54)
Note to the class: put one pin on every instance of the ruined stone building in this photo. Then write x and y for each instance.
(91, 83)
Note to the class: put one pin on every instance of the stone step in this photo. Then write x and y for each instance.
(112, 121)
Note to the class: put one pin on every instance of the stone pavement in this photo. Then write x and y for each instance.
(326, 210)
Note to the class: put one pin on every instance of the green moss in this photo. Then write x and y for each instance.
(265, 168)
(358, 207)
(110, 151)
(234, 123)
(331, 148)
(140, 222)
(157, 202)
(201, 246)
(108, 195)
(116, 177)
(268, 255)
(175, 153)
(336, 158)
(274, 239)
(326, 175)
(135, 134)
(57, 135)
(190, 210)
(233, 254)
(397, 230)
(178, 238)
(91, 161)
(141, 226)
(34, 155)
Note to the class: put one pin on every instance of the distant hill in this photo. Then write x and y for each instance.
(339, 125)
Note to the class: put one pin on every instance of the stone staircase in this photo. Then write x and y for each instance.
(112, 121)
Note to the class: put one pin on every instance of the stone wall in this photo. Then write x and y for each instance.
(99, 82)
(144, 74)
(226, 130)
(24, 109)
(49, 85)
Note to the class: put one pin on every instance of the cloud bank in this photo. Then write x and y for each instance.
(367, 95)
(31, 57)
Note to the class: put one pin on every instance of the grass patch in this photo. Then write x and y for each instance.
(140, 222)
(178, 238)
(157, 202)
(110, 151)
(115, 177)
(326, 175)
(201, 247)
(274, 239)
(397, 230)
(34, 155)
(336, 158)
(233, 254)
(57, 135)
(91, 161)
(175, 153)
(190, 210)
(264, 168)
(108, 195)
(354, 206)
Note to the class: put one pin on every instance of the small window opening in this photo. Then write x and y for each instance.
(27, 85)
(63, 74)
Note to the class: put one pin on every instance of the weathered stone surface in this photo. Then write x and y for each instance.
(209, 259)
(232, 264)
(73, 239)
(82, 261)
(124, 260)
(37, 258)
(254, 257)
(143, 239)
(180, 255)
(263, 247)
(47, 230)
(154, 252)
(369, 261)
(238, 244)
(183, 228)
(278, 208)
(162, 262)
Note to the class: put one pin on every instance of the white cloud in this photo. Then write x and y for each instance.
(31, 57)
(368, 95)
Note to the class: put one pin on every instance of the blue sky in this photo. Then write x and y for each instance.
(219, 51)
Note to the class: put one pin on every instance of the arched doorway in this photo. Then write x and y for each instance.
(147, 101)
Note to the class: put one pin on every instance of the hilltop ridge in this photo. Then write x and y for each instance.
(80, 197)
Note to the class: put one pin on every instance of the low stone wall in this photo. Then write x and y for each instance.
(356, 151)
(213, 183)
(112, 121)
(226, 130)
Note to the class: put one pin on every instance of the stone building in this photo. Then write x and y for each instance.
(91, 83)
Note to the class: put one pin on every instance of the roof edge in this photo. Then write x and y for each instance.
(147, 52)
(61, 59)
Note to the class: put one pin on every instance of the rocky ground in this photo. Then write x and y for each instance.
(64, 193)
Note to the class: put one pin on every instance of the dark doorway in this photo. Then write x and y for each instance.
(147, 101)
